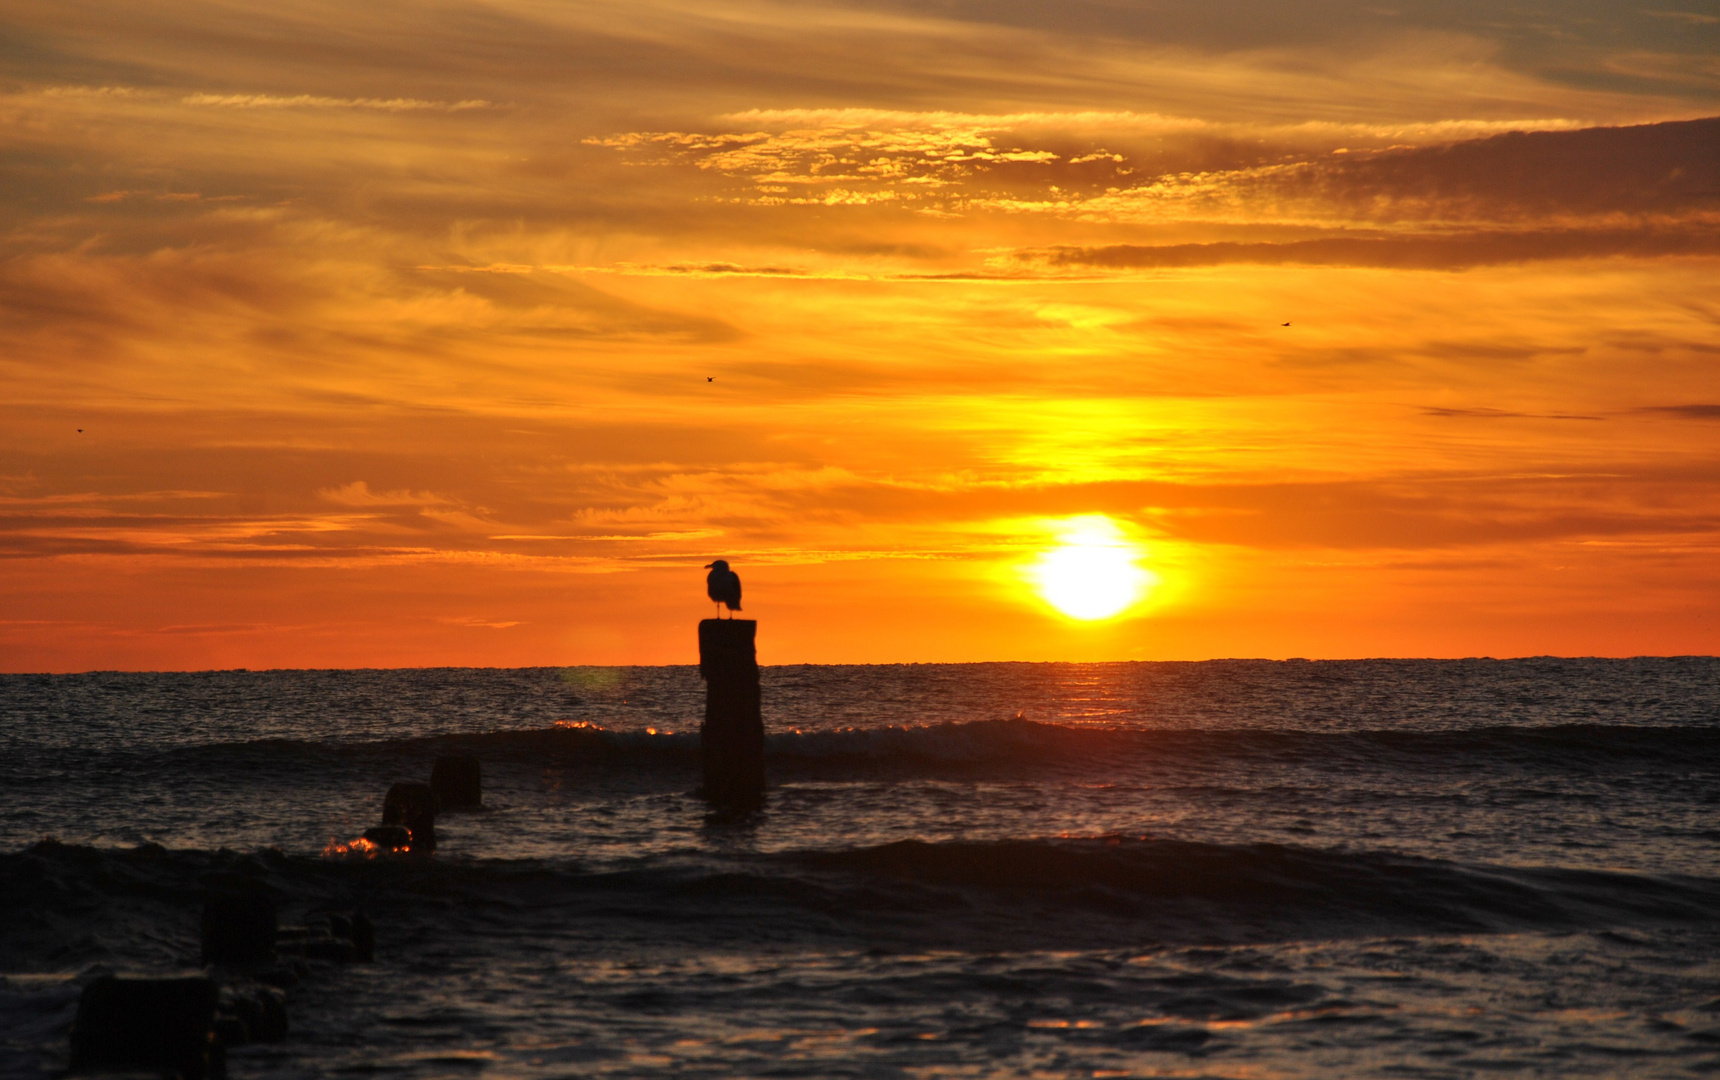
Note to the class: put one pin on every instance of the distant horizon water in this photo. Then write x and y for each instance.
(693, 662)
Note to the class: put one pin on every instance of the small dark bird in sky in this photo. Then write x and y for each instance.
(710, 378)
(723, 586)
(80, 431)
(1285, 324)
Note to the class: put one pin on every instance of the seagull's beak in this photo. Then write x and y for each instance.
(709, 565)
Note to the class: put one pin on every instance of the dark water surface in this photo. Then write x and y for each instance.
(1233, 868)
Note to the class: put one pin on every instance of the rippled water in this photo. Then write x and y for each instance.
(1225, 868)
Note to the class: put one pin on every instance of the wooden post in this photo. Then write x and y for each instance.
(732, 737)
(414, 806)
(148, 1025)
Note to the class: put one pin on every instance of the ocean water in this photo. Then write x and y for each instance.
(1224, 869)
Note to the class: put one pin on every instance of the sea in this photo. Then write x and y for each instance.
(1236, 868)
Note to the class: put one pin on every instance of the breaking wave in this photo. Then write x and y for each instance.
(1018, 744)
(71, 904)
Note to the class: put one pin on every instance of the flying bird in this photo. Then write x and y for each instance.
(1283, 324)
(710, 378)
(723, 586)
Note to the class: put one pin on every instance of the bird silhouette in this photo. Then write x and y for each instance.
(1284, 324)
(710, 378)
(723, 586)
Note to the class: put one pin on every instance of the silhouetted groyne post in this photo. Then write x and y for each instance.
(148, 1025)
(732, 738)
(413, 806)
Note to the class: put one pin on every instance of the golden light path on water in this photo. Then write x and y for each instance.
(1094, 571)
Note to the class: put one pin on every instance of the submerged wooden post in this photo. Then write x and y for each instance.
(414, 806)
(732, 738)
(148, 1025)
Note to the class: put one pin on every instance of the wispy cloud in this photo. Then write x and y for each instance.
(1128, 125)
(314, 101)
(1688, 412)
(1483, 413)
(948, 163)
(1412, 251)
(358, 493)
(358, 322)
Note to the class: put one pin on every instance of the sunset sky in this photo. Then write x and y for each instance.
(466, 333)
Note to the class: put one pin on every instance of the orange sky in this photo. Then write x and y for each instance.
(388, 328)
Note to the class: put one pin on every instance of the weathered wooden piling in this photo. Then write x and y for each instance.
(732, 737)
(153, 1025)
(389, 837)
(414, 806)
(248, 1014)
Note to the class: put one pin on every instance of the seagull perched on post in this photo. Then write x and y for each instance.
(723, 586)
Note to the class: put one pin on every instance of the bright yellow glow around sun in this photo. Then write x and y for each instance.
(1094, 571)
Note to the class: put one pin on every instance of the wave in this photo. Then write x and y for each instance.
(1023, 745)
(63, 905)
(1028, 741)
(1143, 875)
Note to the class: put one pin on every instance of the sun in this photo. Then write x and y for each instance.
(1094, 572)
